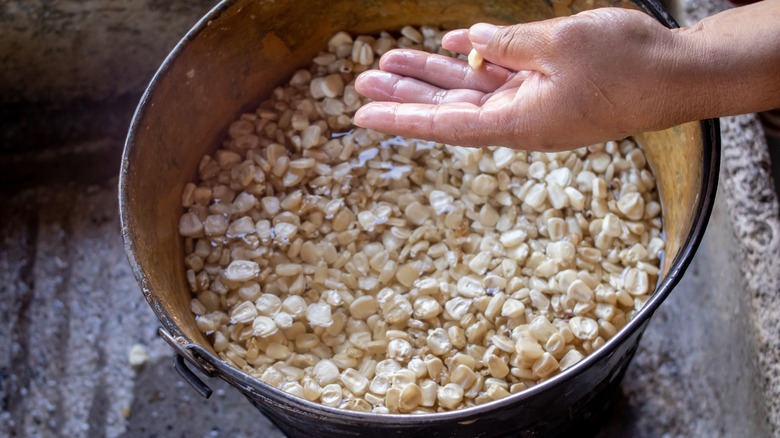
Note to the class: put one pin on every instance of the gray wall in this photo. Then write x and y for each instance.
(56, 51)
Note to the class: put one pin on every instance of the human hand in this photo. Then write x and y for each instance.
(549, 85)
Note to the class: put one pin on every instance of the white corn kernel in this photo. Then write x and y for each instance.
(363, 307)
(438, 341)
(479, 264)
(440, 201)
(393, 399)
(417, 366)
(513, 308)
(242, 270)
(463, 376)
(570, 358)
(498, 367)
(399, 349)
(555, 344)
(450, 395)
(428, 390)
(277, 351)
(536, 196)
(503, 343)
(407, 274)
(325, 372)
(244, 313)
(579, 291)
(513, 238)
(272, 377)
(288, 269)
(484, 185)
(470, 287)
(435, 367)
(495, 306)
(584, 328)
(417, 213)
(268, 304)
(545, 366)
(264, 326)
(283, 320)
(411, 397)
(294, 305)
(331, 395)
(636, 282)
(355, 382)
(318, 314)
(380, 384)
(541, 328)
(632, 206)
(528, 349)
(215, 225)
(496, 392)
(475, 59)
(427, 286)
(457, 307)
(426, 308)
(412, 33)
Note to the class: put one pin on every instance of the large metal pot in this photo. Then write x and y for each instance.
(229, 62)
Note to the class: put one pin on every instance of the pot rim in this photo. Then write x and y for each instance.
(710, 139)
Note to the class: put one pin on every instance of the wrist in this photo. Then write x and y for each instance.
(730, 61)
(692, 89)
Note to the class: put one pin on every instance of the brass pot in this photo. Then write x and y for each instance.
(228, 63)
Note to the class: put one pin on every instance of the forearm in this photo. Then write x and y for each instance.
(731, 61)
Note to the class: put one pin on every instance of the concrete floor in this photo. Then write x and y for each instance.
(73, 310)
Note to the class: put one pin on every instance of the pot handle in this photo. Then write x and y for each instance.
(182, 352)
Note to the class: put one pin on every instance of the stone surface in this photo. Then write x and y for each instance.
(158, 409)
(72, 310)
(753, 208)
(752, 204)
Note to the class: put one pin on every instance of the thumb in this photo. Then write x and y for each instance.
(515, 47)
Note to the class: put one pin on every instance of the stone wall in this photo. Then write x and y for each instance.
(54, 51)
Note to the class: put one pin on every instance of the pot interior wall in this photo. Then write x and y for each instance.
(234, 61)
(675, 155)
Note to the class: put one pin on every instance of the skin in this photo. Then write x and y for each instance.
(573, 81)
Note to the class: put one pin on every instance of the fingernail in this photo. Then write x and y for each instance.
(359, 117)
(368, 115)
(482, 33)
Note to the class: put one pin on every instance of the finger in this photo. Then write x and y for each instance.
(461, 124)
(515, 47)
(443, 71)
(383, 86)
(457, 41)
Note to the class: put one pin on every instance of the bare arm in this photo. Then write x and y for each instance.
(567, 82)
(736, 53)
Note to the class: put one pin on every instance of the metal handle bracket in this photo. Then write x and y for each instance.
(182, 351)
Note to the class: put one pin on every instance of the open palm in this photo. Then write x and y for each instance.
(445, 99)
(551, 85)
